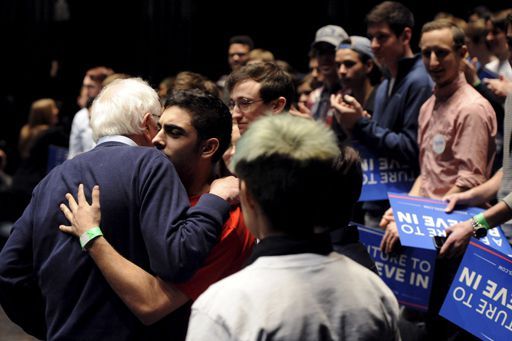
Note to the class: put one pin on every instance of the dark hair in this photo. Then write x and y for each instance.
(501, 19)
(242, 39)
(99, 73)
(290, 195)
(345, 190)
(396, 15)
(210, 116)
(275, 82)
(187, 80)
(298, 195)
(475, 31)
(457, 33)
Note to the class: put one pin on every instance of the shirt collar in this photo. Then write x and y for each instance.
(117, 138)
(449, 89)
(286, 245)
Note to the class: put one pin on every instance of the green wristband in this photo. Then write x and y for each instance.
(480, 219)
(89, 235)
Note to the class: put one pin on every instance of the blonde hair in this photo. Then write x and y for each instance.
(294, 137)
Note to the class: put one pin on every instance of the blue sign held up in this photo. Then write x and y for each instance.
(382, 175)
(409, 274)
(418, 219)
(480, 297)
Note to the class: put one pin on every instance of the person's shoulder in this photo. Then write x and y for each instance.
(366, 277)
(234, 288)
(418, 77)
(472, 100)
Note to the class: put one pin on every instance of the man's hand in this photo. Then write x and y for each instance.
(461, 198)
(470, 70)
(227, 188)
(81, 215)
(301, 111)
(348, 110)
(500, 87)
(387, 218)
(390, 238)
(458, 238)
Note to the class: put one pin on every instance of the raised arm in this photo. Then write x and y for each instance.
(147, 296)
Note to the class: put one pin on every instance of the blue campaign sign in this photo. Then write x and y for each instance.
(419, 219)
(480, 297)
(409, 274)
(382, 175)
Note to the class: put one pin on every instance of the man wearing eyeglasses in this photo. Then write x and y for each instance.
(450, 122)
(499, 185)
(256, 90)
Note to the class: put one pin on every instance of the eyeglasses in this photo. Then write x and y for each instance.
(242, 103)
(440, 53)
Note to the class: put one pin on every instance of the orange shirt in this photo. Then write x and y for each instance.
(226, 258)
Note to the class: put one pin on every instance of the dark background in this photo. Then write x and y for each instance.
(157, 38)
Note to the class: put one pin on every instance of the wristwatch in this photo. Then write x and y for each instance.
(479, 230)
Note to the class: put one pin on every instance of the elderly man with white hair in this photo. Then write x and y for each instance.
(53, 289)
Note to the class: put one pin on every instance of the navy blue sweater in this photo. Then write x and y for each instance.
(393, 129)
(53, 289)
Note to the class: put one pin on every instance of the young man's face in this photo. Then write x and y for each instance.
(441, 60)
(386, 46)
(318, 78)
(497, 39)
(246, 104)
(351, 69)
(92, 88)
(238, 55)
(178, 139)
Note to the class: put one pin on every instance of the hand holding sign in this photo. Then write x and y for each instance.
(390, 238)
(467, 198)
(458, 238)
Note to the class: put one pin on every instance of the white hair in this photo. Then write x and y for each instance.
(287, 135)
(120, 108)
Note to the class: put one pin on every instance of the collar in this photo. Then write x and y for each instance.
(405, 65)
(449, 89)
(117, 138)
(286, 245)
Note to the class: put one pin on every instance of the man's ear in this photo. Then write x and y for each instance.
(245, 196)
(149, 128)
(209, 147)
(406, 35)
(278, 105)
(463, 50)
(369, 66)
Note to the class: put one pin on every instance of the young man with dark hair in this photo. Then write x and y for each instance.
(194, 131)
(238, 55)
(392, 129)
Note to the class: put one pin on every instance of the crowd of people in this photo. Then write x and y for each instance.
(221, 210)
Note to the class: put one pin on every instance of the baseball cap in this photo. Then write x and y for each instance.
(358, 44)
(331, 34)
